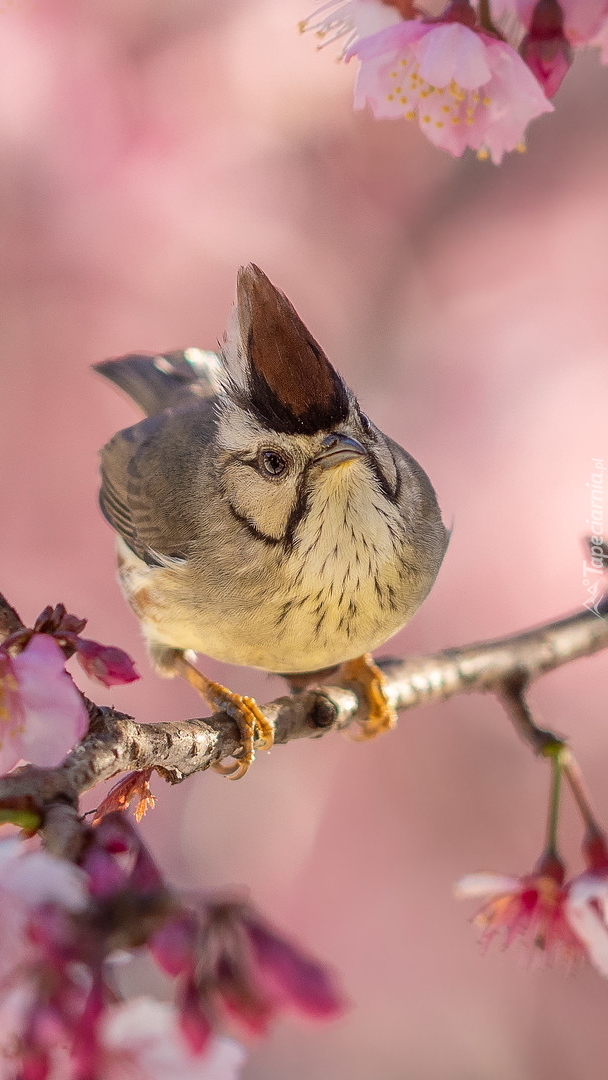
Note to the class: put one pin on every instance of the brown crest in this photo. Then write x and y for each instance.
(292, 385)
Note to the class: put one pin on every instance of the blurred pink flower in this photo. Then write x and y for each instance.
(532, 908)
(106, 875)
(601, 41)
(30, 881)
(141, 1040)
(545, 48)
(587, 914)
(582, 18)
(229, 959)
(41, 712)
(466, 88)
(587, 902)
(36, 878)
(289, 977)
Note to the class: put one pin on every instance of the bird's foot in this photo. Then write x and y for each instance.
(255, 730)
(381, 716)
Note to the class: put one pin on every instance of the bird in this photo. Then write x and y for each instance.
(262, 518)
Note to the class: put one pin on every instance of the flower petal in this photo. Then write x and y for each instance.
(371, 16)
(515, 98)
(584, 918)
(54, 713)
(290, 975)
(485, 884)
(391, 40)
(38, 878)
(452, 51)
(145, 1033)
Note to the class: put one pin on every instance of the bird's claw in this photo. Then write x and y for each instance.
(381, 715)
(255, 730)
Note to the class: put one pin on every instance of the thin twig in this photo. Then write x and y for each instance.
(578, 788)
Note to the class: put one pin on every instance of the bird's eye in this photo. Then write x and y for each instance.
(272, 463)
(366, 424)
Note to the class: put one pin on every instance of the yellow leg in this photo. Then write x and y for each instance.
(381, 715)
(253, 725)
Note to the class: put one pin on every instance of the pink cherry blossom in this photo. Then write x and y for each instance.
(141, 1040)
(41, 712)
(582, 18)
(466, 88)
(587, 901)
(531, 908)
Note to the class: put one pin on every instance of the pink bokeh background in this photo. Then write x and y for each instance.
(146, 150)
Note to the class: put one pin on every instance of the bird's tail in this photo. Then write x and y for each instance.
(165, 380)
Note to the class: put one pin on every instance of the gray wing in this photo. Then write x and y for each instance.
(157, 382)
(150, 480)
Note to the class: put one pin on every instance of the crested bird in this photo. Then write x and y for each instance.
(262, 518)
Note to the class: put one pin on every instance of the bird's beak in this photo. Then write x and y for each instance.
(338, 449)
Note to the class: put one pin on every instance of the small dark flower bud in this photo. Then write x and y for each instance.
(545, 48)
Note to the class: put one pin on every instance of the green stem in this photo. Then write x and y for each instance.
(554, 801)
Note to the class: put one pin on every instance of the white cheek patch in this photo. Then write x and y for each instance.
(241, 433)
(237, 430)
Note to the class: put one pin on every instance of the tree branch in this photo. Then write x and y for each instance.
(116, 743)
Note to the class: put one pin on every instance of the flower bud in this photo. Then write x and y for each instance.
(545, 48)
